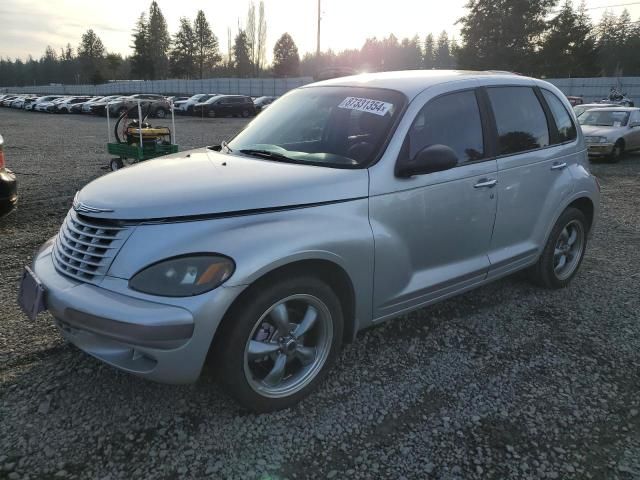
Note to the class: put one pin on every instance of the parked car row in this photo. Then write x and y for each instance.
(203, 104)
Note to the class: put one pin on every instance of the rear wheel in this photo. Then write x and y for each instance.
(564, 251)
(116, 164)
(245, 113)
(277, 346)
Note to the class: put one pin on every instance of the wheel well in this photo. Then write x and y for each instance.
(585, 205)
(621, 142)
(329, 272)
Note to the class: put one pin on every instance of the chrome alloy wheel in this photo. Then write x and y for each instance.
(568, 250)
(288, 346)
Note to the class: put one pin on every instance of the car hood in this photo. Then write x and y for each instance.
(203, 182)
(599, 131)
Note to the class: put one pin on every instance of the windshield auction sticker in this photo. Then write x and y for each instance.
(366, 105)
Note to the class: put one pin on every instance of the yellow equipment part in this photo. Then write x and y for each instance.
(153, 132)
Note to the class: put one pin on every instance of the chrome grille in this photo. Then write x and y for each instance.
(85, 247)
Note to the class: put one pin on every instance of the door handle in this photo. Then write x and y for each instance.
(486, 183)
(559, 166)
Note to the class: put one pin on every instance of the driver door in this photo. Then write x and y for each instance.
(432, 232)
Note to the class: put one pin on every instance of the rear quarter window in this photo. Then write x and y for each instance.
(520, 119)
(564, 123)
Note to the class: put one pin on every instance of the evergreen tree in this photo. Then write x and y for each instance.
(141, 66)
(443, 53)
(206, 44)
(607, 43)
(184, 50)
(502, 34)
(429, 52)
(411, 53)
(286, 61)
(91, 54)
(241, 60)
(158, 43)
(567, 48)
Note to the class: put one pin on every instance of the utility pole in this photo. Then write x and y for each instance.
(318, 47)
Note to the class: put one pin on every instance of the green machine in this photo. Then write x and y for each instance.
(136, 140)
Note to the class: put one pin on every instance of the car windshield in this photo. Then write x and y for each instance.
(344, 127)
(211, 99)
(604, 118)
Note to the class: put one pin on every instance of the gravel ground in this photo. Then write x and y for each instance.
(508, 381)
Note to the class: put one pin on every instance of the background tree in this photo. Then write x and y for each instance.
(141, 66)
(502, 34)
(241, 60)
(442, 57)
(251, 30)
(114, 64)
(410, 53)
(567, 47)
(91, 53)
(182, 59)
(206, 44)
(49, 65)
(261, 50)
(286, 61)
(429, 52)
(158, 42)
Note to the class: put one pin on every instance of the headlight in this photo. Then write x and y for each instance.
(596, 139)
(183, 276)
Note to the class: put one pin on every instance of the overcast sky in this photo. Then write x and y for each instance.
(28, 26)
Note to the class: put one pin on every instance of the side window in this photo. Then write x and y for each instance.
(566, 128)
(520, 120)
(452, 120)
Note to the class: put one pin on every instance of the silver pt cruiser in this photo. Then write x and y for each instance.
(346, 203)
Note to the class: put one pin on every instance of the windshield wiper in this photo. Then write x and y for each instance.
(266, 154)
(225, 147)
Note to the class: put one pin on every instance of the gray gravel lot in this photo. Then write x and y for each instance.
(508, 381)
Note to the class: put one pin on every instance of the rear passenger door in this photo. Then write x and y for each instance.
(536, 145)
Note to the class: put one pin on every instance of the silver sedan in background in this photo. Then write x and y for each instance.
(611, 131)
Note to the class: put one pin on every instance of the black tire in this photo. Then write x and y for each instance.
(240, 324)
(161, 113)
(116, 164)
(543, 273)
(617, 152)
(245, 113)
(190, 110)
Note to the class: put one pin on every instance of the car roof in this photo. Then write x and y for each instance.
(613, 108)
(598, 105)
(412, 82)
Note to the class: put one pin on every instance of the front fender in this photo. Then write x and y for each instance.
(339, 233)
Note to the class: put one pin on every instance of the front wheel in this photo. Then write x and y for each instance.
(564, 251)
(617, 152)
(161, 113)
(279, 344)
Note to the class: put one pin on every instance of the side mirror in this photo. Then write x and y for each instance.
(434, 158)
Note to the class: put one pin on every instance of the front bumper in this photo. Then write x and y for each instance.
(599, 149)
(162, 339)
